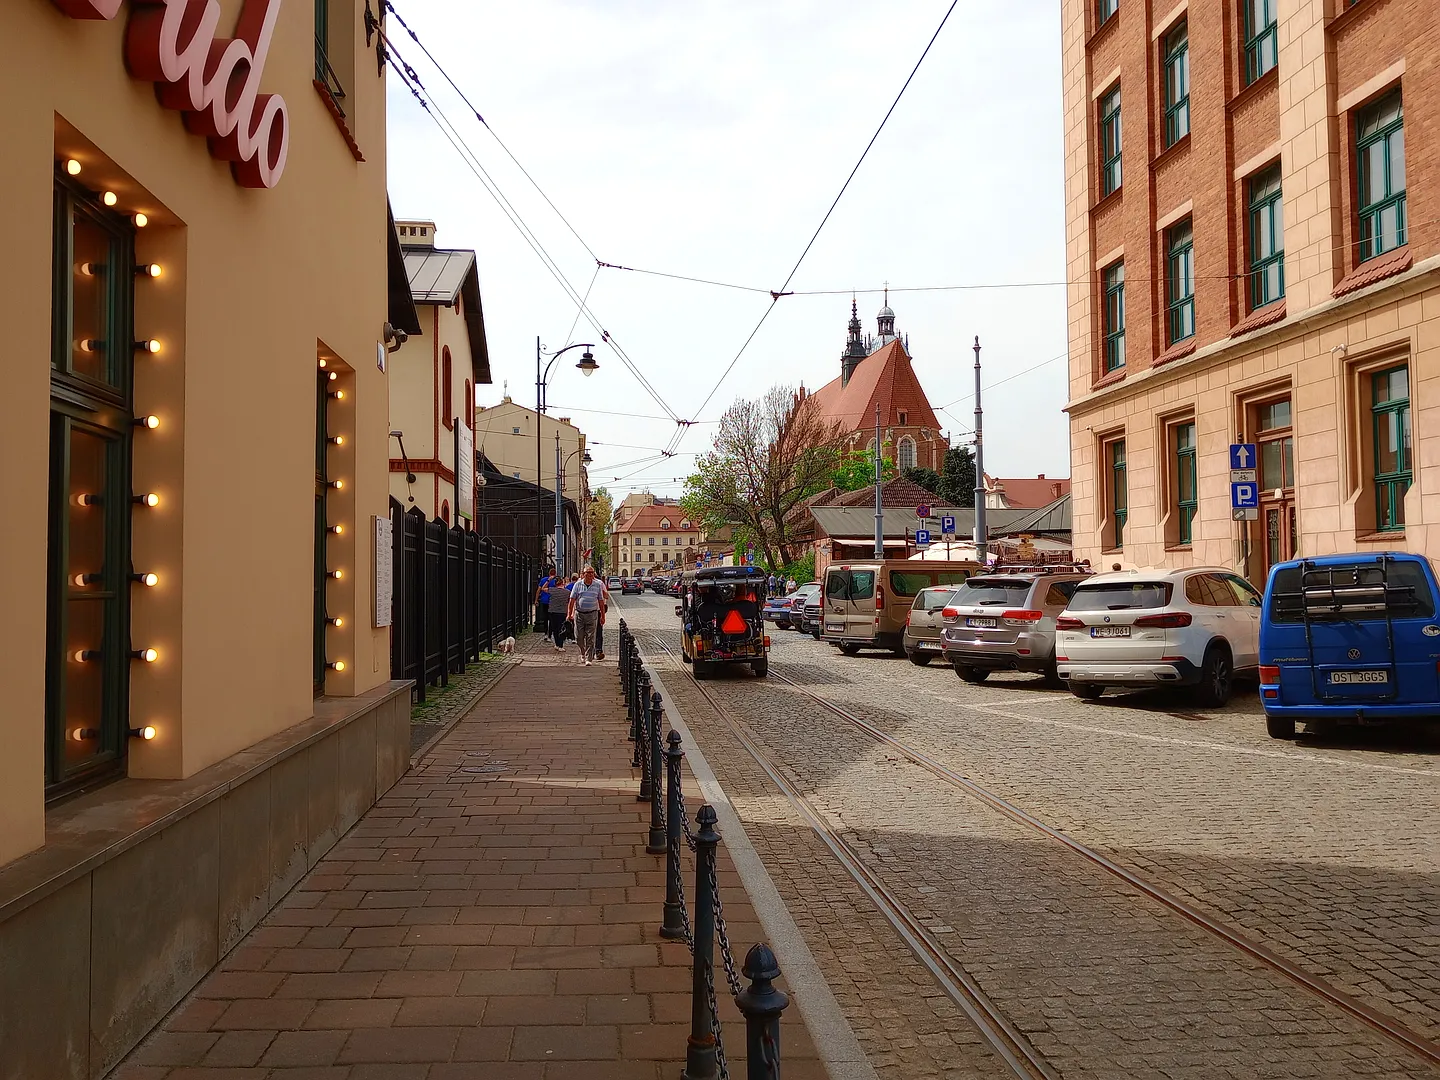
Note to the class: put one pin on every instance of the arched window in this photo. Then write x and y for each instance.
(447, 403)
(469, 410)
(445, 511)
(906, 459)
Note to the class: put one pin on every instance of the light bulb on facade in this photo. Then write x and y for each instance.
(333, 376)
(337, 440)
(146, 733)
(88, 579)
(338, 665)
(148, 580)
(338, 485)
(141, 221)
(85, 734)
(336, 574)
(72, 167)
(153, 270)
(150, 345)
(336, 622)
(85, 656)
(87, 269)
(150, 421)
(322, 361)
(88, 345)
(109, 198)
(338, 530)
(338, 395)
(84, 499)
(148, 499)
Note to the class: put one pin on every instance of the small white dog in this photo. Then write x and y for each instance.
(507, 646)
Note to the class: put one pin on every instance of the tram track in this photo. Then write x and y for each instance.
(1009, 1043)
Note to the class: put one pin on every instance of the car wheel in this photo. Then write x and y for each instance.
(849, 648)
(1278, 727)
(1216, 677)
(919, 659)
(1051, 674)
(761, 668)
(971, 674)
(815, 633)
(1086, 691)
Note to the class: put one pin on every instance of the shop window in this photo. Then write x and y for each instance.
(1177, 85)
(1380, 164)
(1267, 239)
(1114, 316)
(1117, 496)
(1391, 476)
(1180, 281)
(1186, 483)
(1261, 38)
(87, 656)
(1110, 174)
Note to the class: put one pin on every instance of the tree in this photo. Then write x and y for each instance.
(957, 478)
(768, 456)
(856, 469)
(602, 508)
(929, 479)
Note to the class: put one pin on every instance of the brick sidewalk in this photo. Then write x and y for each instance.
(495, 916)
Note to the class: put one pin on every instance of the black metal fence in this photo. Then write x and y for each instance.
(456, 594)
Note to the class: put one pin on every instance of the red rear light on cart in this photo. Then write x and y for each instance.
(1069, 622)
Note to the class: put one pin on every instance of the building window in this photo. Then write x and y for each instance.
(1277, 445)
(1177, 85)
(1391, 411)
(447, 398)
(1267, 239)
(1180, 280)
(1114, 328)
(1105, 9)
(1119, 494)
(469, 405)
(652, 541)
(906, 452)
(1260, 38)
(664, 541)
(324, 71)
(1110, 142)
(1186, 484)
(904, 418)
(1380, 160)
(87, 660)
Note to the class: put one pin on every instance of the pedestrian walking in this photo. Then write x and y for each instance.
(587, 598)
(600, 626)
(791, 586)
(772, 582)
(556, 607)
(542, 601)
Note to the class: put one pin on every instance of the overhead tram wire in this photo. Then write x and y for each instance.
(777, 293)
(412, 83)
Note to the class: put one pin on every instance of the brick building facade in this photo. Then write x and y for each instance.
(1252, 258)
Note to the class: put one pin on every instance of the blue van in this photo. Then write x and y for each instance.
(1350, 638)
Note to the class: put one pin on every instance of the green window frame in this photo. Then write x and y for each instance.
(89, 572)
(1177, 84)
(1261, 38)
(1187, 499)
(1392, 475)
(1119, 494)
(1110, 143)
(1380, 175)
(1180, 280)
(1114, 316)
(1267, 239)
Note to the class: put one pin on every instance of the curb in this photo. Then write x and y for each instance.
(445, 729)
(833, 1036)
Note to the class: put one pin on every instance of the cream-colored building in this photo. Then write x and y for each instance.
(197, 698)
(1252, 260)
(433, 380)
(652, 538)
(505, 433)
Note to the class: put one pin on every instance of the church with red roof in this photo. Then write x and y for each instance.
(876, 371)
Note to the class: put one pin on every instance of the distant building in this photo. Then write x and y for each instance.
(1023, 493)
(653, 538)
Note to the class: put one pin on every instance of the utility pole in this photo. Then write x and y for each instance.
(879, 509)
(559, 510)
(982, 537)
(539, 491)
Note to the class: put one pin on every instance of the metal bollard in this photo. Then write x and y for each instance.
(700, 1056)
(761, 1005)
(642, 742)
(672, 928)
(631, 704)
(656, 844)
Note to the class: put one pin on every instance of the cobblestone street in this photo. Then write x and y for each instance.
(1323, 853)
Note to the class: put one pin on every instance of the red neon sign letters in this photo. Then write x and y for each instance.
(213, 81)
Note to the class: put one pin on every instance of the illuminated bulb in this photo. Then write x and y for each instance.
(338, 395)
(85, 734)
(84, 656)
(148, 655)
(147, 732)
(337, 440)
(337, 484)
(148, 580)
(153, 270)
(109, 198)
(336, 529)
(72, 167)
(87, 579)
(141, 221)
(87, 345)
(333, 376)
(322, 361)
(148, 499)
(338, 665)
(336, 622)
(87, 500)
(150, 421)
(150, 345)
(336, 574)
(88, 269)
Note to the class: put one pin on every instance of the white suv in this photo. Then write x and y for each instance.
(1193, 627)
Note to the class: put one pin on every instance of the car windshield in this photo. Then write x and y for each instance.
(933, 599)
(993, 592)
(1121, 596)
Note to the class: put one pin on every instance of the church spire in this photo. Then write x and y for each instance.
(886, 320)
(855, 350)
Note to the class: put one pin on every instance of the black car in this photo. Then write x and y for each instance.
(631, 584)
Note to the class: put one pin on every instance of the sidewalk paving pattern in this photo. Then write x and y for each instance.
(495, 915)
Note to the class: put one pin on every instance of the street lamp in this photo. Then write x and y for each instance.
(587, 366)
(559, 490)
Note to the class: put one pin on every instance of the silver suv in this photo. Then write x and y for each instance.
(1006, 622)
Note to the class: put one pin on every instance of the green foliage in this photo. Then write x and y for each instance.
(929, 479)
(857, 470)
(957, 478)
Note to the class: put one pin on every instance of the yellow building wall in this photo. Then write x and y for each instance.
(514, 453)
(256, 281)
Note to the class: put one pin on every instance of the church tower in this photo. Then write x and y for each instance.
(886, 322)
(855, 349)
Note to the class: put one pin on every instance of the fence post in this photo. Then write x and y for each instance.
(700, 1050)
(761, 1004)
(656, 844)
(634, 708)
(672, 927)
(642, 739)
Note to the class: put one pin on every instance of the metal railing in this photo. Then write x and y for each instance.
(761, 1003)
(455, 594)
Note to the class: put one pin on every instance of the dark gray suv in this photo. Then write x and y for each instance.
(1006, 622)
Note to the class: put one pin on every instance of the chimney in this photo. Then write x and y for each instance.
(416, 234)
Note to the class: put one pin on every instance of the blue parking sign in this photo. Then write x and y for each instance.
(1242, 456)
(1244, 496)
(947, 525)
(922, 537)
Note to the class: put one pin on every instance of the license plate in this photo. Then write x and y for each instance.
(834, 626)
(1109, 631)
(1346, 678)
(983, 623)
(927, 645)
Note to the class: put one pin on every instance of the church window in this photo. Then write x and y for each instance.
(904, 418)
(906, 452)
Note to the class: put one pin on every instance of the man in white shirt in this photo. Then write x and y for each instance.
(588, 599)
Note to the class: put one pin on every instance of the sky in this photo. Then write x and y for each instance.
(707, 139)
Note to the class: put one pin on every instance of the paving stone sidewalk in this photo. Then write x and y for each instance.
(495, 916)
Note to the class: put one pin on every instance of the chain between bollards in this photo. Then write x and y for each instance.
(634, 706)
(642, 743)
(672, 927)
(702, 1052)
(656, 845)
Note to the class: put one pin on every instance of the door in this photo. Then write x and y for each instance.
(1275, 447)
(1245, 621)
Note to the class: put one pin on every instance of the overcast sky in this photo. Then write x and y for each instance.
(707, 139)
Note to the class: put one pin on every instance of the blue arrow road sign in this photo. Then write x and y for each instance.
(1242, 456)
(922, 537)
(947, 525)
(1244, 496)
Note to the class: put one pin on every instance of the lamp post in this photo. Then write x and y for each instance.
(559, 493)
(587, 366)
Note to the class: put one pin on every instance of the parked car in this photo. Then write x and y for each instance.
(1197, 627)
(613, 583)
(1349, 638)
(922, 624)
(865, 604)
(786, 611)
(1006, 622)
(810, 618)
(631, 584)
